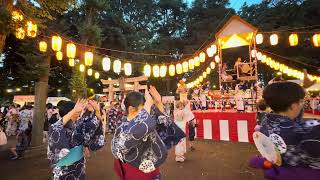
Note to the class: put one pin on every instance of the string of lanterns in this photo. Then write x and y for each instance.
(156, 70)
(203, 76)
(282, 67)
(293, 39)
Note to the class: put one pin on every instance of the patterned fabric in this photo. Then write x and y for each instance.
(26, 116)
(143, 141)
(302, 139)
(115, 117)
(86, 131)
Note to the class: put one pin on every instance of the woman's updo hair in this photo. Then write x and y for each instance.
(65, 107)
(134, 99)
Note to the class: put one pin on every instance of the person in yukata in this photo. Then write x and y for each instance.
(297, 141)
(77, 129)
(115, 116)
(12, 117)
(24, 133)
(140, 144)
(180, 149)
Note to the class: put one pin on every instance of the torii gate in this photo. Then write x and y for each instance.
(122, 85)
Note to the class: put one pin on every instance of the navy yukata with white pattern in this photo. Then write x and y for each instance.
(146, 138)
(86, 131)
(302, 139)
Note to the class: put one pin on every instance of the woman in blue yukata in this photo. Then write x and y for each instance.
(141, 142)
(79, 129)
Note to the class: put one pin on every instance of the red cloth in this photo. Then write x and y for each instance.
(132, 173)
(232, 118)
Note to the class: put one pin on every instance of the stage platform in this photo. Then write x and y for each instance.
(225, 126)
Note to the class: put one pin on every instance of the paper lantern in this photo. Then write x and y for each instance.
(43, 46)
(204, 74)
(264, 59)
(56, 43)
(156, 71)
(217, 59)
(200, 78)
(71, 62)
(59, 55)
(253, 53)
(197, 61)
(316, 40)
(172, 70)
(214, 48)
(88, 58)
(106, 64)
(97, 75)
(90, 71)
(259, 38)
(185, 66)
(191, 64)
(208, 70)
(82, 68)
(147, 70)
(71, 50)
(268, 61)
(212, 65)
(117, 66)
(274, 39)
(20, 33)
(127, 69)
(210, 52)
(31, 29)
(259, 56)
(16, 16)
(179, 68)
(293, 40)
(202, 57)
(163, 71)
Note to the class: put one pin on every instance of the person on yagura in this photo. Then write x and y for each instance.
(141, 142)
(78, 128)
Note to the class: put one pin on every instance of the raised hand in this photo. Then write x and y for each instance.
(94, 105)
(80, 105)
(155, 94)
(307, 81)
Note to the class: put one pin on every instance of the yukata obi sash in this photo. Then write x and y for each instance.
(75, 154)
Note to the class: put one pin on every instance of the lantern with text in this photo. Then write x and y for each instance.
(71, 50)
(156, 71)
(71, 62)
(106, 64)
(191, 64)
(117, 66)
(316, 40)
(59, 55)
(147, 70)
(90, 71)
(217, 59)
(212, 65)
(97, 75)
(163, 71)
(31, 29)
(259, 38)
(202, 57)
(197, 61)
(56, 43)
(82, 68)
(172, 70)
(293, 40)
(179, 68)
(127, 69)
(185, 66)
(43, 46)
(20, 33)
(88, 58)
(274, 39)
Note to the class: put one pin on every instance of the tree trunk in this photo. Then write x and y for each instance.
(41, 90)
(2, 42)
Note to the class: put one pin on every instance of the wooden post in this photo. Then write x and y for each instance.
(110, 97)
